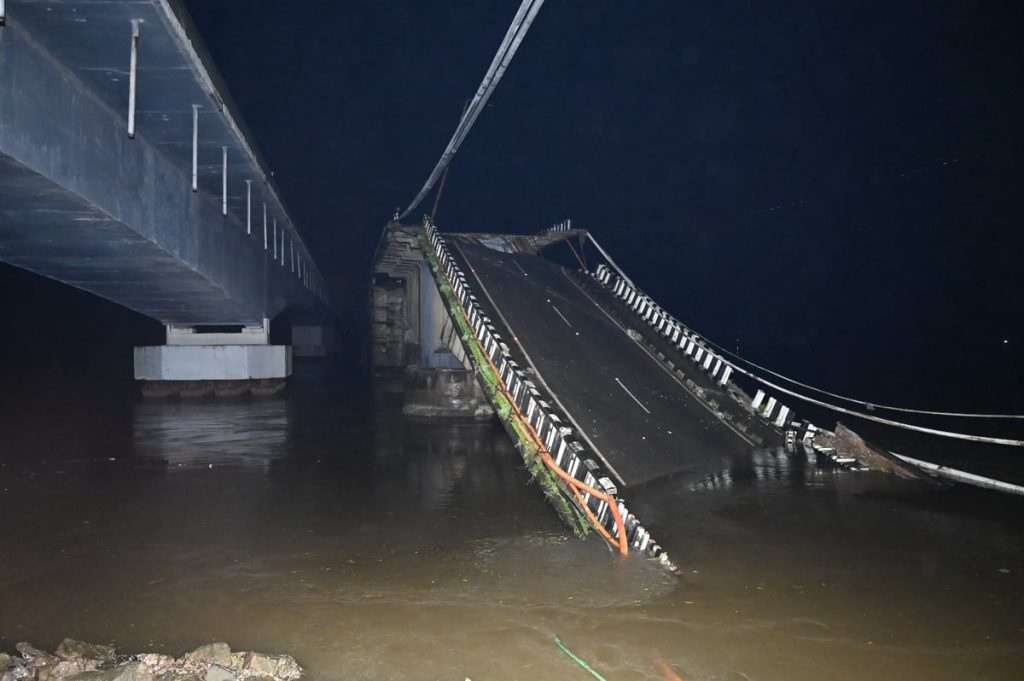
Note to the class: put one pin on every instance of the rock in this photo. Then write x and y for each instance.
(19, 671)
(66, 668)
(8, 676)
(257, 664)
(69, 649)
(129, 671)
(278, 666)
(179, 675)
(288, 668)
(211, 653)
(5, 661)
(27, 650)
(35, 658)
(237, 660)
(156, 663)
(218, 673)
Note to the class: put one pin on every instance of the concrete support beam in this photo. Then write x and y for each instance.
(189, 335)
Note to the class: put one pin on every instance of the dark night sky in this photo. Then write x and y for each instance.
(888, 134)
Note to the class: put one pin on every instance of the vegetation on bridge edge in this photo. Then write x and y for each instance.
(547, 481)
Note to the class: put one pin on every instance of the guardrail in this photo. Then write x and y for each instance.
(594, 492)
(720, 370)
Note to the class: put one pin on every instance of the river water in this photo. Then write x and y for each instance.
(323, 524)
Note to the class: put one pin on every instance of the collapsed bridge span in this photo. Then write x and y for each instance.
(601, 389)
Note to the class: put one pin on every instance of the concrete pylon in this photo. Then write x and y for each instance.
(195, 363)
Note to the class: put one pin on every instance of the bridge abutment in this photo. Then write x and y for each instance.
(413, 333)
(199, 361)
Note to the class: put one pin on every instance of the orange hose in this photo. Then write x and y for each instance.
(590, 514)
(612, 506)
(667, 671)
(546, 456)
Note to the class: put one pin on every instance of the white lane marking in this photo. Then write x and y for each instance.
(633, 396)
(520, 268)
(658, 363)
(537, 376)
(562, 316)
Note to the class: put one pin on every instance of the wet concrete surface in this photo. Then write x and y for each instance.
(323, 524)
(640, 418)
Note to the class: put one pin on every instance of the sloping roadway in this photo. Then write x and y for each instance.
(631, 409)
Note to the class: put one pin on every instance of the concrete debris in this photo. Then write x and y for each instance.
(79, 661)
(17, 670)
(211, 653)
(276, 666)
(128, 671)
(67, 668)
(70, 649)
(217, 673)
(849, 444)
(157, 663)
(34, 655)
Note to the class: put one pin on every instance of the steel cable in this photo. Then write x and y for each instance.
(871, 406)
(502, 58)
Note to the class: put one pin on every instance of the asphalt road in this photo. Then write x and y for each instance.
(638, 417)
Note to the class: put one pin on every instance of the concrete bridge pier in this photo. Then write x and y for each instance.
(414, 335)
(199, 361)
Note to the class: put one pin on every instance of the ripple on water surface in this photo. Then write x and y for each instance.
(325, 525)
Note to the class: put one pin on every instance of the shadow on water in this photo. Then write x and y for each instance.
(324, 524)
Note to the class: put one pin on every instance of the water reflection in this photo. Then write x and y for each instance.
(252, 432)
(438, 464)
(768, 466)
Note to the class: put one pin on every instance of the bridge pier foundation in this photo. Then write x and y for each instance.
(414, 333)
(196, 362)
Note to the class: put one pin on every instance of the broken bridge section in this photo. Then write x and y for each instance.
(634, 410)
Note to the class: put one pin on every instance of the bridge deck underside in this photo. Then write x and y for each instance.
(641, 420)
(49, 230)
(133, 218)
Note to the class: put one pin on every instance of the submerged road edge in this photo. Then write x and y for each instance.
(578, 486)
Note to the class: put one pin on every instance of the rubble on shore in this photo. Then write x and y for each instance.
(79, 661)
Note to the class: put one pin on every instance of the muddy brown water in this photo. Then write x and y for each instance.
(325, 525)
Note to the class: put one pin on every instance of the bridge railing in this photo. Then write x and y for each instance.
(592, 485)
(766, 405)
(722, 371)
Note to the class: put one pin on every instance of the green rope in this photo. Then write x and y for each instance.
(577, 659)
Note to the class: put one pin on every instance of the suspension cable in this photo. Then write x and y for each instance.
(870, 406)
(509, 44)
